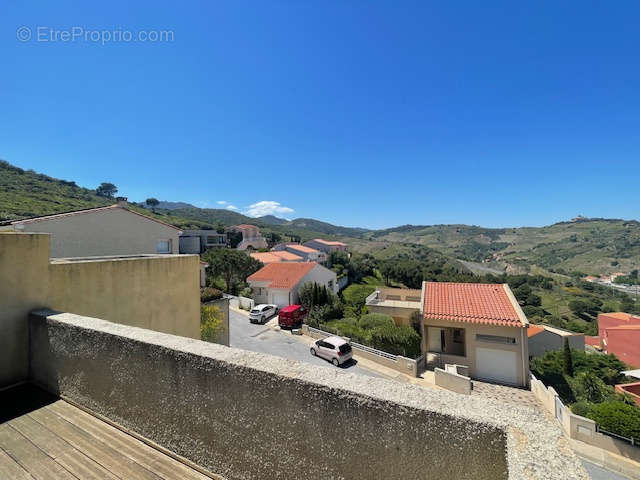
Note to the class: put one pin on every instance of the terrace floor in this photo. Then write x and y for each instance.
(45, 438)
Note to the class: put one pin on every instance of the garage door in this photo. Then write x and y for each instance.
(497, 365)
(281, 299)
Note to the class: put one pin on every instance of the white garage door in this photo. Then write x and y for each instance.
(281, 299)
(497, 365)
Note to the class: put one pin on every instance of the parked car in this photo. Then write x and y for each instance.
(291, 316)
(261, 313)
(335, 349)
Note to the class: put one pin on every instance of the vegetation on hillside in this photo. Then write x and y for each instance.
(585, 381)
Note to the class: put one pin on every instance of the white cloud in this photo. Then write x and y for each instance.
(222, 202)
(232, 207)
(267, 207)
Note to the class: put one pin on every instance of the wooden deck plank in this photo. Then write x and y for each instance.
(84, 467)
(101, 453)
(11, 470)
(161, 464)
(30, 457)
(43, 438)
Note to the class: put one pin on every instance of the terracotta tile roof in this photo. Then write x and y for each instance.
(624, 327)
(488, 304)
(329, 242)
(86, 210)
(282, 274)
(302, 248)
(534, 330)
(288, 256)
(627, 317)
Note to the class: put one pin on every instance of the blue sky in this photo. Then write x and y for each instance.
(360, 113)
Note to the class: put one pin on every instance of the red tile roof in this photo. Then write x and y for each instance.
(330, 242)
(534, 330)
(302, 248)
(270, 257)
(487, 304)
(282, 274)
(291, 257)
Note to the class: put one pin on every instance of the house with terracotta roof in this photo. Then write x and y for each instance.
(619, 333)
(477, 325)
(273, 257)
(251, 236)
(544, 338)
(279, 282)
(325, 246)
(102, 231)
(307, 253)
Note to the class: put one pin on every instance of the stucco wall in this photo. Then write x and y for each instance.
(471, 344)
(23, 287)
(112, 231)
(159, 293)
(248, 416)
(548, 341)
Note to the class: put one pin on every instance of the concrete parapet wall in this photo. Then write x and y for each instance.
(580, 428)
(452, 381)
(246, 415)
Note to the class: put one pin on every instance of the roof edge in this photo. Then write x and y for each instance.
(516, 306)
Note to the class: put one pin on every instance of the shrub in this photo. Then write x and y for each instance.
(210, 323)
(581, 408)
(374, 320)
(399, 340)
(209, 293)
(348, 327)
(617, 417)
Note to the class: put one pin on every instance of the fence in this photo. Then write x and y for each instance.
(397, 362)
(243, 303)
(584, 429)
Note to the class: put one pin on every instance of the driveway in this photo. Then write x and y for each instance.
(598, 473)
(263, 339)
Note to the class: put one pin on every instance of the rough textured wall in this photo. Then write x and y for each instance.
(251, 416)
(160, 294)
(113, 231)
(23, 287)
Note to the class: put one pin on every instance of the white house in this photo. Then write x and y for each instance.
(326, 246)
(307, 253)
(279, 282)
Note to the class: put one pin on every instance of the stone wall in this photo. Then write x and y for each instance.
(246, 415)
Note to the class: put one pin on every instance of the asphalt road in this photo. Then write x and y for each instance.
(260, 338)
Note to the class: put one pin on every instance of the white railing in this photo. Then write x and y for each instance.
(372, 297)
(355, 345)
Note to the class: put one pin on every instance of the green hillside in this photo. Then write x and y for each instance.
(25, 193)
(596, 246)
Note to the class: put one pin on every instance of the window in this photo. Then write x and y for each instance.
(330, 284)
(495, 339)
(163, 246)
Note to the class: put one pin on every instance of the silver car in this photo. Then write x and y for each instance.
(335, 349)
(261, 313)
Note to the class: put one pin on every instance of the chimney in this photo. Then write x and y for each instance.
(122, 202)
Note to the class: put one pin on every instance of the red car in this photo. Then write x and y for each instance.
(291, 316)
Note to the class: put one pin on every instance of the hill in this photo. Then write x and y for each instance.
(596, 246)
(25, 193)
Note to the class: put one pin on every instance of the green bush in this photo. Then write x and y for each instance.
(210, 323)
(209, 293)
(374, 320)
(399, 340)
(581, 408)
(348, 327)
(617, 417)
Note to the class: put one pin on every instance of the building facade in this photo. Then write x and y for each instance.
(111, 230)
(326, 246)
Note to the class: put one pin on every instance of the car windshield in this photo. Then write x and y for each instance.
(255, 310)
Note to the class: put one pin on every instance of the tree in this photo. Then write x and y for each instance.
(588, 387)
(234, 238)
(234, 266)
(152, 202)
(617, 417)
(107, 190)
(568, 361)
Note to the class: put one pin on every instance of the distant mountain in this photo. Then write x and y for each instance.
(272, 220)
(174, 205)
